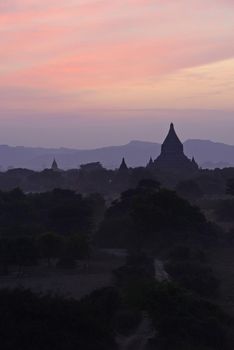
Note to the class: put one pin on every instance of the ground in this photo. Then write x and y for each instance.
(75, 283)
(138, 340)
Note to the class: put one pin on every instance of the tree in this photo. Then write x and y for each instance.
(224, 210)
(184, 321)
(5, 255)
(23, 251)
(230, 187)
(29, 321)
(194, 276)
(50, 245)
(147, 218)
(78, 246)
(189, 189)
(149, 184)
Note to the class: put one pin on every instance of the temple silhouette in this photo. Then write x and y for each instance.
(54, 165)
(172, 155)
(171, 158)
(123, 166)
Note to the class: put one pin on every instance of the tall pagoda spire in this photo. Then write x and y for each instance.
(123, 166)
(172, 155)
(172, 143)
(54, 165)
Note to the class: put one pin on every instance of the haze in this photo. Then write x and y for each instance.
(90, 73)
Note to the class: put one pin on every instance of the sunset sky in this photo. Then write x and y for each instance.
(86, 73)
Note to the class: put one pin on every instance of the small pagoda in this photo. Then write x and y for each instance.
(123, 166)
(54, 166)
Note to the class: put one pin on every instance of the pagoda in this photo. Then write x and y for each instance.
(54, 165)
(172, 155)
(123, 166)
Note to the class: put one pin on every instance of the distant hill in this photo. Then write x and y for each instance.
(137, 153)
(210, 154)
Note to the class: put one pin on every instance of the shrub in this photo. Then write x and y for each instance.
(194, 276)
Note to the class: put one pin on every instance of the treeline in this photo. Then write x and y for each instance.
(22, 251)
(61, 224)
(100, 180)
(221, 209)
(111, 182)
(51, 225)
(154, 218)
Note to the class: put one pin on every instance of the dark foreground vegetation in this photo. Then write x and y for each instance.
(168, 278)
(154, 218)
(52, 225)
(30, 321)
(179, 318)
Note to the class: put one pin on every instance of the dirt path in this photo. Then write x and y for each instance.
(160, 273)
(139, 339)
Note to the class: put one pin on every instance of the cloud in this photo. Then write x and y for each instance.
(66, 48)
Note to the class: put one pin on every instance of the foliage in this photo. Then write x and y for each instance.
(51, 225)
(189, 189)
(20, 251)
(185, 253)
(152, 217)
(50, 245)
(189, 268)
(184, 321)
(77, 246)
(47, 322)
(112, 182)
(66, 262)
(224, 210)
(181, 319)
(59, 211)
(111, 307)
(127, 320)
(230, 186)
(194, 276)
(138, 269)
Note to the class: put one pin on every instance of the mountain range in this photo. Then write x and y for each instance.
(208, 154)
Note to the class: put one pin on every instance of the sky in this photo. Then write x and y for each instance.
(90, 73)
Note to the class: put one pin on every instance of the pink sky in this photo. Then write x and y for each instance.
(66, 61)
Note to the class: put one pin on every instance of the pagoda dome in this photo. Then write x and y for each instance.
(172, 155)
(172, 143)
